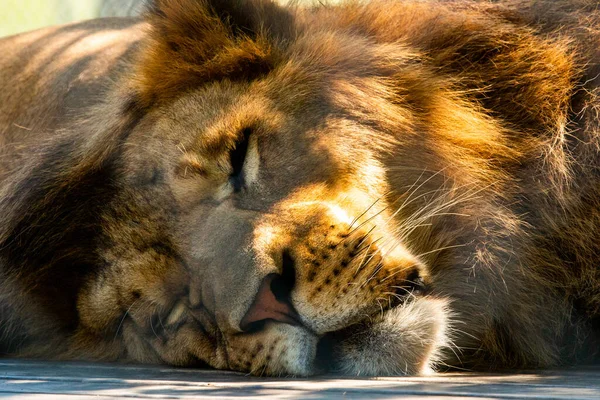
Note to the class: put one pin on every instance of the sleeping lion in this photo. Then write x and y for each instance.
(365, 188)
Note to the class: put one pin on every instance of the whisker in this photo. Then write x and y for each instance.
(402, 299)
(160, 322)
(396, 272)
(442, 249)
(361, 262)
(441, 206)
(123, 319)
(152, 327)
(380, 306)
(350, 233)
(364, 212)
(413, 191)
(362, 239)
(451, 345)
(375, 271)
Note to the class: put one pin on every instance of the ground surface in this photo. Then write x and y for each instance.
(66, 381)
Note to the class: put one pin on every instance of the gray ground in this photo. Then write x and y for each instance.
(45, 380)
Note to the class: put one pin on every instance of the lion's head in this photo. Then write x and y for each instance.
(258, 229)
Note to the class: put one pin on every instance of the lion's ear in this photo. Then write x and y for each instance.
(191, 42)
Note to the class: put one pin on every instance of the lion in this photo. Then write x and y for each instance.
(363, 188)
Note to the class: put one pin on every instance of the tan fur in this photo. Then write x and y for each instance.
(420, 186)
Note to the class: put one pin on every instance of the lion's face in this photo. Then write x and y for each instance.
(271, 240)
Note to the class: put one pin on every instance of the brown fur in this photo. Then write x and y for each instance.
(420, 186)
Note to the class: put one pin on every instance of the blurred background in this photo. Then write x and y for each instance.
(25, 15)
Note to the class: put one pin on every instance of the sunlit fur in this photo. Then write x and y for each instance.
(390, 142)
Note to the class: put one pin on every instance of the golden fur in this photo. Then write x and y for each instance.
(375, 188)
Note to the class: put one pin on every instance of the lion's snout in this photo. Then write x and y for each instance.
(322, 253)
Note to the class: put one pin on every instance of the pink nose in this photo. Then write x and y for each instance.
(267, 306)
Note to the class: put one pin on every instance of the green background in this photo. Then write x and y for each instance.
(24, 15)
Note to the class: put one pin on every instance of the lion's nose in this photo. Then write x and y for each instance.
(272, 302)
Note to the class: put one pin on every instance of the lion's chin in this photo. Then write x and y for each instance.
(405, 340)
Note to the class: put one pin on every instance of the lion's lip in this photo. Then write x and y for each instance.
(259, 325)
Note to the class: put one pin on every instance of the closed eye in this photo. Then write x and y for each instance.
(237, 158)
